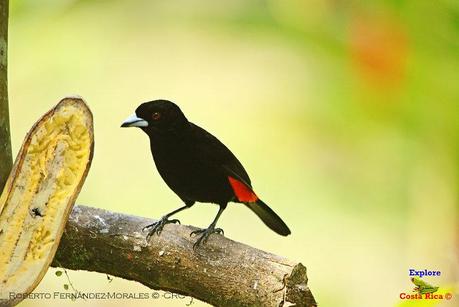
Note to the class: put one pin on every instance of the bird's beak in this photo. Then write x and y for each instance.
(134, 121)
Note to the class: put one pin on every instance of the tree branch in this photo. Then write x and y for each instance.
(222, 272)
(6, 161)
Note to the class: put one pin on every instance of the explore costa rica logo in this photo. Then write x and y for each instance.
(423, 289)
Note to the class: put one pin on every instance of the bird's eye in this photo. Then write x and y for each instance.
(156, 116)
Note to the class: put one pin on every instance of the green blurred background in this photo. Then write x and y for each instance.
(345, 113)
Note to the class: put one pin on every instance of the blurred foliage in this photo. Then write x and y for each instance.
(345, 113)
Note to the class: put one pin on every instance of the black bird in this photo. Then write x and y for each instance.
(197, 167)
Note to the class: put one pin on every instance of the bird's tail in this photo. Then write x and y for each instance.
(269, 217)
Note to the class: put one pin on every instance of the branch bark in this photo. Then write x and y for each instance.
(222, 272)
(6, 160)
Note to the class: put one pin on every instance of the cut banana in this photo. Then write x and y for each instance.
(47, 176)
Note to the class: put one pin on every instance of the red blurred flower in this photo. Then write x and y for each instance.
(378, 47)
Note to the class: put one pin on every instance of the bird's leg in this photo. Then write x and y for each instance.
(157, 227)
(205, 233)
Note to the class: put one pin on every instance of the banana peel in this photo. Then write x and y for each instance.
(46, 178)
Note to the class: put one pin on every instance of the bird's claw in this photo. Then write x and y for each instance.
(205, 234)
(158, 226)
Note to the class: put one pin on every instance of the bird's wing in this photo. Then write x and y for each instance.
(213, 151)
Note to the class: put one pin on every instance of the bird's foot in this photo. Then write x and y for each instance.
(205, 233)
(158, 226)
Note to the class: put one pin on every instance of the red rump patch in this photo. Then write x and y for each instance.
(242, 191)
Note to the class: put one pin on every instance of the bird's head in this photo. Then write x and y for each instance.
(157, 115)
